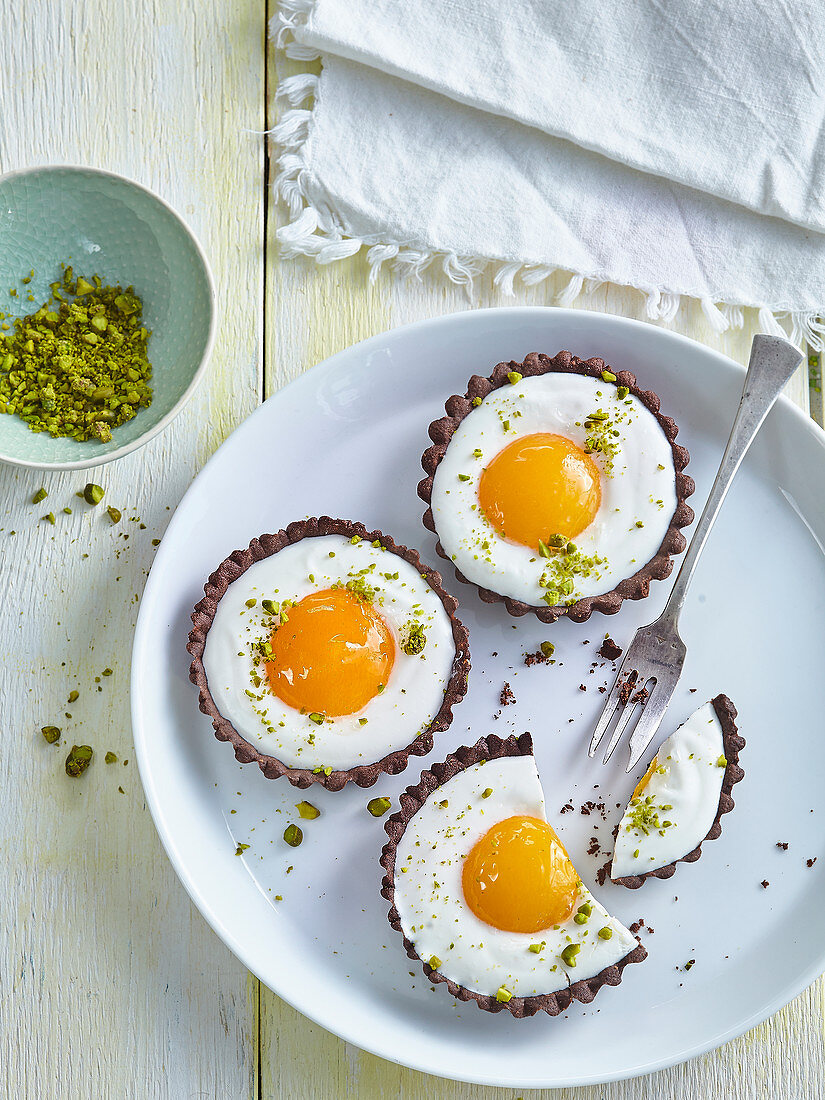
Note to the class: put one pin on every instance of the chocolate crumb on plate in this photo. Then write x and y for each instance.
(609, 650)
(506, 696)
(764, 884)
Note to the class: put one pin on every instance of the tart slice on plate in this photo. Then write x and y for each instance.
(485, 895)
(679, 802)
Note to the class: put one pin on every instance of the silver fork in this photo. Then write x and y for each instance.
(653, 662)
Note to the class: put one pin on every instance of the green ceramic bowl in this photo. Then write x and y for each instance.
(105, 225)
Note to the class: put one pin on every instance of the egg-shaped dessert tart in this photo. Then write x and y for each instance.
(556, 486)
(679, 801)
(485, 895)
(328, 654)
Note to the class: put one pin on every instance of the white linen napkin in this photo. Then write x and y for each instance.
(676, 148)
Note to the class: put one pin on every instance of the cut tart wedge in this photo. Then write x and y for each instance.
(679, 802)
(484, 894)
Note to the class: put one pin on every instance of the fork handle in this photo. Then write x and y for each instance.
(772, 363)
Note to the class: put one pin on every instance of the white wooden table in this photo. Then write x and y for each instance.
(111, 983)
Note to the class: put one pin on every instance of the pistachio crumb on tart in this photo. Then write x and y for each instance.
(328, 654)
(484, 894)
(556, 487)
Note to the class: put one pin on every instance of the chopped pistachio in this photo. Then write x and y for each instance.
(49, 518)
(503, 995)
(378, 806)
(622, 392)
(74, 696)
(547, 648)
(434, 962)
(476, 402)
(80, 367)
(360, 587)
(605, 933)
(414, 638)
(271, 607)
(251, 603)
(722, 762)
(293, 835)
(110, 758)
(78, 760)
(51, 733)
(41, 494)
(106, 672)
(463, 477)
(486, 792)
(569, 953)
(307, 811)
(536, 948)
(239, 851)
(114, 514)
(513, 377)
(93, 494)
(608, 376)
(316, 717)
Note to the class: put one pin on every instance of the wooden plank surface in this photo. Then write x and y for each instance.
(111, 984)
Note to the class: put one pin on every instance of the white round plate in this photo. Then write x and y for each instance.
(346, 439)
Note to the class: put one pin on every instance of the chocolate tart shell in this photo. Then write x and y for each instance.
(488, 748)
(733, 743)
(363, 775)
(635, 587)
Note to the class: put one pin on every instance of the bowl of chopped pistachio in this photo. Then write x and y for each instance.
(107, 316)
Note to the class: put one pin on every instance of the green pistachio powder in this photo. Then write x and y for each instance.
(77, 366)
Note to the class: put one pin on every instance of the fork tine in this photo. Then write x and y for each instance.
(610, 705)
(649, 722)
(624, 721)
